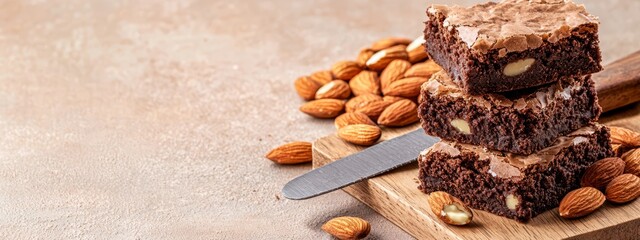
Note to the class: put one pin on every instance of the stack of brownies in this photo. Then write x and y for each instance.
(515, 104)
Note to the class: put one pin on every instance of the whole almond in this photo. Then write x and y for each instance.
(291, 153)
(623, 188)
(360, 134)
(600, 173)
(322, 77)
(425, 69)
(347, 227)
(625, 137)
(581, 202)
(336, 89)
(361, 101)
(632, 161)
(382, 58)
(449, 208)
(363, 56)
(389, 42)
(394, 71)
(372, 109)
(345, 70)
(323, 108)
(406, 87)
(416, 50)
(306, 87)
(364, 83)
(352, 118)
(399, 114)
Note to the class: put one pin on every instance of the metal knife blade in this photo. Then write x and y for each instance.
(377, 159)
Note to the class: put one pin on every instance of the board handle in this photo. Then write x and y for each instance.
(618, 84)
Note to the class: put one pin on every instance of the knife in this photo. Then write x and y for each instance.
(618, 85)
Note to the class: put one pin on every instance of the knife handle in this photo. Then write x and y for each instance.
(618, 84)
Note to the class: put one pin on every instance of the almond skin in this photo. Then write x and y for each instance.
(363, 57)
(394, 71)
(392, 99)
(345, 70)
(347, 227)
(632, 162)
(425, 69)
(399, 114)
(373, 109)
(360, 134)
(336, 89)
(600, 173)
(361, 101)
(306, 87)
(379, 60)
(623, 188)
(364, 83)
(416, 50)
(322, 77)
(291, 153)
(442, 203)
(581, 202)
(352, 118)
(406, 87)
(625, 137)
(389, 42)
(323, 108)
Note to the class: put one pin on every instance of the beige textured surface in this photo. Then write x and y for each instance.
(149, 120)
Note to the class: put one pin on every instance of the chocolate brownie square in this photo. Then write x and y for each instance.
(512, 44)
(522, 122)
(513, 186)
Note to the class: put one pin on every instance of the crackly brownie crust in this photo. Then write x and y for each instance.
(485, 179)
(474, 47)
(519, 122)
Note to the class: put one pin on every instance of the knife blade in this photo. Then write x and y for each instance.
(372, 161)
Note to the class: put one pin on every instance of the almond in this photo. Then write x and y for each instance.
(625, 137)
(406, 87)
(291, 153)
(632, 161)
(425, 69)
(363, 57)
(323, 108)
(600, 173)
(345, 70)
(623, 188)
(361, 101)
(399, 114)
(373, 109)
(336, 89)
(382, 58)
(394, 71)
(416, 50)
(352, 118)
(392, 99)
(360, 134)
(306, 87)
(449, 208)
(581, 202)
(347, 227)
(365, 82)
(389, 42)
(322, 77)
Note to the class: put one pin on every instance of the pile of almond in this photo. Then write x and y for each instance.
(618, 176)
(379, 87)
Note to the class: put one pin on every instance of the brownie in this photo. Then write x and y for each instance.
(520, 122)
(512, 44)
(509, 185)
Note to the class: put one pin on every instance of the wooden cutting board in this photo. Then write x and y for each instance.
(395, 195)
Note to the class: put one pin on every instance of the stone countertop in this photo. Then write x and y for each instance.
(150, 119)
